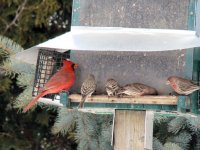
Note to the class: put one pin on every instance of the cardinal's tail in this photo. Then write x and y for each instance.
(34, 101)
(82, 101)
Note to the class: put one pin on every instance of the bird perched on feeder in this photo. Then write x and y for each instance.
(137, 89)
(111, 87)
(61, 80)
(182, 86)
(87, 89)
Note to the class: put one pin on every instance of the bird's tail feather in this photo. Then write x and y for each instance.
(82, 101)
(33, 101)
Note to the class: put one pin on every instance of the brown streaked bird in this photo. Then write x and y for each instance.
(182, 86)
(137, 89)
(87, 89)
(111, 87)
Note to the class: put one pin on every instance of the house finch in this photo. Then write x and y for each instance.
(111, 87)
(137, 89)
(87, 89)
(182, 86)
(61, 80)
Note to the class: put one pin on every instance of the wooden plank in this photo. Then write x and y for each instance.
(162, 100)
(129, 130)
(98, 110)
(148, 138)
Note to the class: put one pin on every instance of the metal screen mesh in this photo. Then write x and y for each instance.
(48, 63)
(161, 14)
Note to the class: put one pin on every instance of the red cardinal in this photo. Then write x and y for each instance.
(182, 86)
(61, 80)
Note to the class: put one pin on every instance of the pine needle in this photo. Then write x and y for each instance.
(8, 47)
(171, 146)
(64, 121)
(157, 145)
(24, 98)
(178, 123)
(182, 140)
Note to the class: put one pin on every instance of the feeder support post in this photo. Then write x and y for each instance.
(133, 130)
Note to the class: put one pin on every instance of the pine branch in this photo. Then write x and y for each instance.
(8, 46)
(12, 66)
(105, 122)
(157, 145)
(193, 123)
(171, 146)
(86, 134)
(24, 98)
(178, 123)
(182, 140)
(94, 131)
(48, 107)
(17, 16)
(24, 80)
(160, 131)
(159, 117)
(65, 120)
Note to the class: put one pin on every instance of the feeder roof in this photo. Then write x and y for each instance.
(115, 39)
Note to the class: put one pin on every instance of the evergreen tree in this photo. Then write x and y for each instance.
(183, 132)
(32, 22)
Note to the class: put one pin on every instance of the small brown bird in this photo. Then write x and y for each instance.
(111, 87)
(137, 89)
(87, 89)
(182, 86)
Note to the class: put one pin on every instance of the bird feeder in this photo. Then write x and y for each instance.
(134, 43)
(131, 41)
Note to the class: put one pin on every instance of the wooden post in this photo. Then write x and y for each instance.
(148, 138)
(129, 130)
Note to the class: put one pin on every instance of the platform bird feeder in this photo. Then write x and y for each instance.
(131, 41)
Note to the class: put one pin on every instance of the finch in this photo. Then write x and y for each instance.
(137, 89)
(182, 86)
(61, 80)
(111, 87)
(87, 89)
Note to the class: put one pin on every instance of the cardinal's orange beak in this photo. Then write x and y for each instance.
(75, 66)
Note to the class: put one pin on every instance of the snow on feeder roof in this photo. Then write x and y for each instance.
(115, 39)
